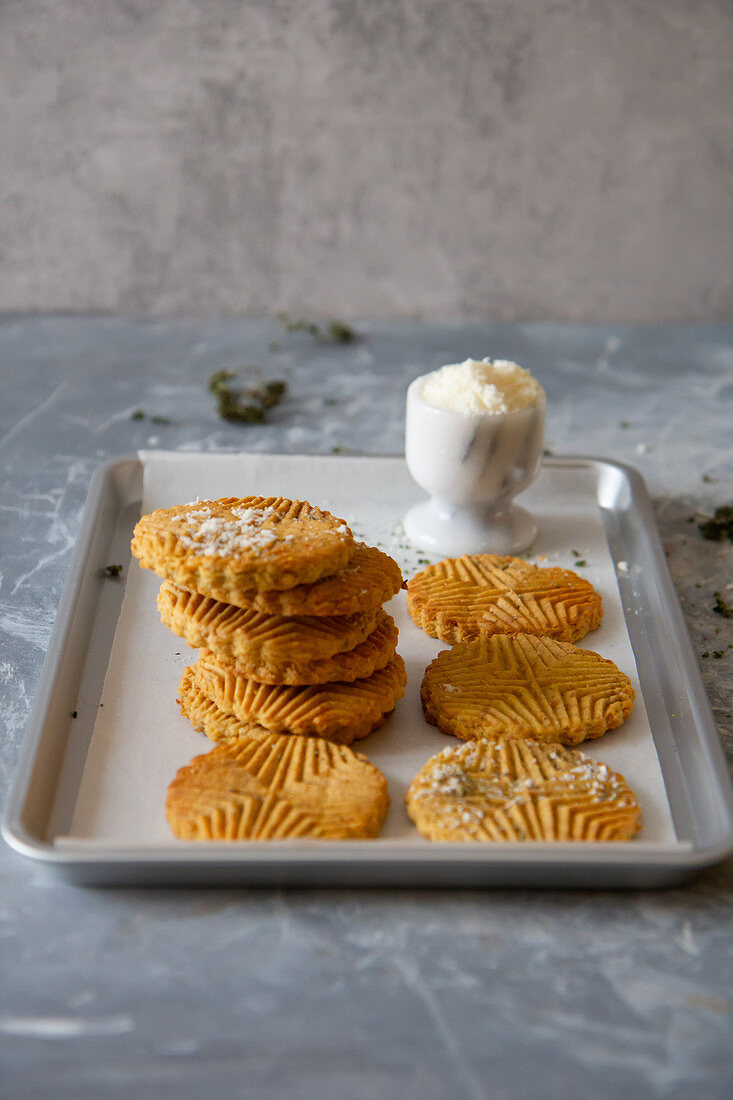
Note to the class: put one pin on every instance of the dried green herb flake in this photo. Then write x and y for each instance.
(721, 607)
(341, 333)
(245, 405)
(720, 527)
(336, 332)
(220, 379)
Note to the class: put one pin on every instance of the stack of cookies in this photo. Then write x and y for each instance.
(513, 675)
(297, 659)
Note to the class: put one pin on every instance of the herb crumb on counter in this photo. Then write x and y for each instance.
(245, 404)
(720, 527)
(327, 332)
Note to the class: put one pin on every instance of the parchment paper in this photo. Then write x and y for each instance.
(140, 739)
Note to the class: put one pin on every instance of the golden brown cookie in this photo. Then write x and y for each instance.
(206, 717)
(278, 788)
(226, 548)
(341, 712)
(252, 637)
(482, 594)
(370, 578)
(517, 685)
(373, 653)
(504, 789)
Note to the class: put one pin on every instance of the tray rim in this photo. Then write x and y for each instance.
(88, 863)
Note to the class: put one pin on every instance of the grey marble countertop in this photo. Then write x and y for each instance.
(379, 994)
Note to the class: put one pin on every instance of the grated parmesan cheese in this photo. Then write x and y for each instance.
(481, 386)
(222, 536)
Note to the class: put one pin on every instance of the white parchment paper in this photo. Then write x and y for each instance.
(140, 739)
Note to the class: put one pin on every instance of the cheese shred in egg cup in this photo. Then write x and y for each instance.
(472, 465)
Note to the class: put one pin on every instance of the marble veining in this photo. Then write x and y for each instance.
(322, 994)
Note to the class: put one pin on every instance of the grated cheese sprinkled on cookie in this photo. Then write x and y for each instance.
(220, 536)
(234, 547)
(499, 789)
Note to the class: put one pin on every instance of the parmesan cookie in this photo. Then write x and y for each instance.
(373, 653)
(370, 578)
(242, 635)
(503, 789)
(226, 548)
(517, 685)
(341, 712)
(482, 594)
(206, 717)
(278, 788)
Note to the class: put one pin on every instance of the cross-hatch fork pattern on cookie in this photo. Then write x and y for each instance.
(459, 599)
(242, 633)
(208, 548)
(501, 789)
(277, 787)
(340, 712)
(522, 686)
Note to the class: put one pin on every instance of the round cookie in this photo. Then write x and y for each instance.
(206, 717)
(341, 712)
(500, 789)
(226, 548)
(370, 578)
(482, 594)
(243, 635)
(276, 787)
(517, 685)
(373, 653)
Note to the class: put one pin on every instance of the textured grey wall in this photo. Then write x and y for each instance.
(566, 159)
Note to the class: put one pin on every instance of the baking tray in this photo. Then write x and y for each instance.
(695, 779)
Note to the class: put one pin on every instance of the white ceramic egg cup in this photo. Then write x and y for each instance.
(472, 465)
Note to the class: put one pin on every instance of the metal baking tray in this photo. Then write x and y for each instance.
(55, 749)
